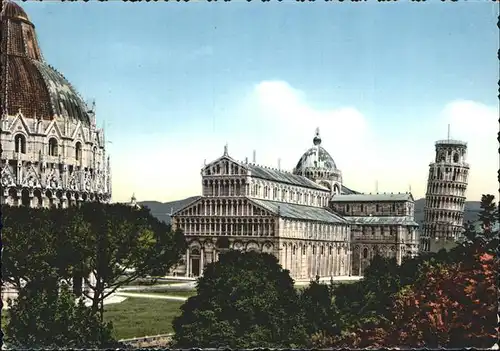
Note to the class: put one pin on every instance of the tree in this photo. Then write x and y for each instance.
(450, 306)
(319, 310)
(119, 239)
(93, 240)
(38, 234)
(456, 283)
(52, 319)
(368, 301)
(244, 300)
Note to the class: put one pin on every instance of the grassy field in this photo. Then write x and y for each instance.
(149, 282)
(184, 293)
(136, 317)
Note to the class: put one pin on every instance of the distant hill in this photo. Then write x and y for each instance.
(162, 210)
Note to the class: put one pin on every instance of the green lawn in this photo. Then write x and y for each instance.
(136, 317)
(164, 292)
(150, 282)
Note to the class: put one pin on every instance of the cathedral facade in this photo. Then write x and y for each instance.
(307, 218)
(53, 154)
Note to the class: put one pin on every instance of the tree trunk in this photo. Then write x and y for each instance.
(97, 297)
(77, 284)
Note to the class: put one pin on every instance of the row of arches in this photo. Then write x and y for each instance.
(432, 232)
(321, 174)
(361, 209)
(441, 215)
(37, 198)
(286, 193)
(313, 228)
(200, 253)
(309, 259)
(363, 254)
(451, 155)
(446, 188)
(223, 207)
(225, 187)
(265, 190)
(445, 202)
(52, 147)
(227, 227)
(225, 168)
(374, 230)
(451, 174)
(435, 230)
(41, 175)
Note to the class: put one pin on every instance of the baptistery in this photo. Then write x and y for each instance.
(53, 154)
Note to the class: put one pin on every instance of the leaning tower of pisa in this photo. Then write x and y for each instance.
(445, 196)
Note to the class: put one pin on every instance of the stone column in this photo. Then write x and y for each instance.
(188, 264)
(314, 262)
(337, 258)
(202, 263)
(328, 273)
(284, 262)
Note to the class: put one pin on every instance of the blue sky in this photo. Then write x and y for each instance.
(175, 81)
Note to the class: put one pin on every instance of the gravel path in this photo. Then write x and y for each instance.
(151, 296)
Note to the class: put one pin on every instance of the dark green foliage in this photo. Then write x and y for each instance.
(366, 307)
(244, 300)
(368, 301)
(48, 318)
(121, 237)
(30, 233)
(96, 238)
(319, 311)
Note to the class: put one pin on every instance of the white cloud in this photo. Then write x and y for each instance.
(477, 124)
(406, 159)
(278, 121)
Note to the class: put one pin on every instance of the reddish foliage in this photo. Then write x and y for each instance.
(452, 305)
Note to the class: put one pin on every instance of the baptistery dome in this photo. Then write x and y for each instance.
(30, 85)
(52, 152)
(317, 165)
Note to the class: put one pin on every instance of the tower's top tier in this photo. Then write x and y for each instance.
(450, 142)
(451, 151)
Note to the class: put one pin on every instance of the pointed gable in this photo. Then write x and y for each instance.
(224, 165)
(185, 211)
(53, 129)
(79, 133)
(8, 178)
(19, 125)
(31, 178)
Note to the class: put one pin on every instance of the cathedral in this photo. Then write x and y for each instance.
(307, 218)
(53, 153)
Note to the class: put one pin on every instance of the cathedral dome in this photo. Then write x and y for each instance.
(315, 158)
(29, 85)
